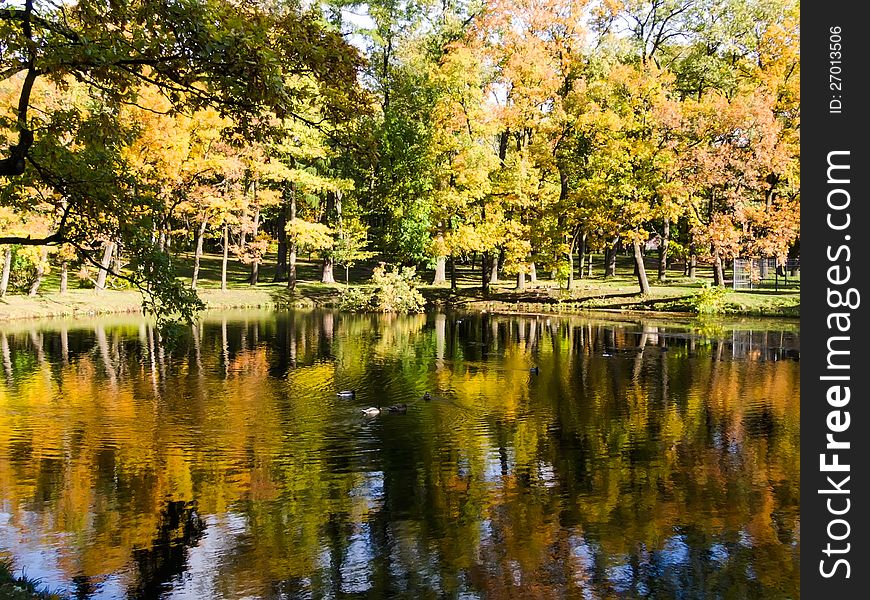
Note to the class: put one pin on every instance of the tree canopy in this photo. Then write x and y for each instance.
(523, 134)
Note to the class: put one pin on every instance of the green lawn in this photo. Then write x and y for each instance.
(589, 293)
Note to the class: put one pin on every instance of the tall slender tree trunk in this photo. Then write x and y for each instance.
(226, 256)
(641, 270)
(693, 261)
(589, 265)
(255, 265)
(663, 250)
(452, 272)
(281, 262)
(440, 271)
(64, 276)
(328, 271)
(104, 265)
(521, 281)
(718, 271)
(569, 285)
(119, 257)
(333, 211)
(610, 259)
(40, 270)
(533, 273)
(484, 276)
(7, 268)
(197, 255)
(493, 270)
(582, 255)
(292, 246)
(571, 248)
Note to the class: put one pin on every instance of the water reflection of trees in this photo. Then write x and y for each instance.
(642, 460)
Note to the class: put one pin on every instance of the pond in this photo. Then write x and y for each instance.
(557, 457)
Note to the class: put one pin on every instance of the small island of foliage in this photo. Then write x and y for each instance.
(567, 153)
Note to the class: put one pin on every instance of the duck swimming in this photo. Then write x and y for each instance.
(371, 411)
(398, 408)
(346, 394)
(427, 396)
(534, 370)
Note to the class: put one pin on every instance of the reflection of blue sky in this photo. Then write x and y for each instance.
(355, 568)
(718, 554)
(492, 472)
(39, 556)
(583, 564)
(674, 553)
(485, 530)
(463, 467)
(371, 489)
(620, 577)
(547, 475)
(412, 564)
(219, 539)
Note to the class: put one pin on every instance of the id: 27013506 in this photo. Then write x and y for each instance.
(835, 70)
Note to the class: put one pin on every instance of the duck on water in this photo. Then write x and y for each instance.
(371, 411)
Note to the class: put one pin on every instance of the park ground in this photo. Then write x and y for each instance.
(678, 294)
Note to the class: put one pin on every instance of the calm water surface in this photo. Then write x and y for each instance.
(642, 460)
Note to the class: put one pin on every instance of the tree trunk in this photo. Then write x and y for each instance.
(693, 261)
(452, 272)
(484, 276)
(582, 256)
(610, 259)
(226, 255)
(571, 248)
(331, 214)
(533, 273)
(641, 270)
(281, 262)
(718, 272)
(589, 266)
(521, 281)
(255, 265)
(291, 265)
(119, 261)
(493, 270)
(663, 250)
(328, 270)
(440, 271)
(197, 255)
(7, 268)
(569, 284)
(104, 265)
(40, 271)
(64, 276)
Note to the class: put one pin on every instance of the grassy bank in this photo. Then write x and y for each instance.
(677, 295)
(620, 294)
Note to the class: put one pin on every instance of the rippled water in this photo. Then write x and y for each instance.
(641, 460)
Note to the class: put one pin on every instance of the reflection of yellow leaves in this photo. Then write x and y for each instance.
(236, 439)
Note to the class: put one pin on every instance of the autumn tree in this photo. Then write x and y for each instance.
(241, 66)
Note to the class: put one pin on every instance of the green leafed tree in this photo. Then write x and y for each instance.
(244, 59)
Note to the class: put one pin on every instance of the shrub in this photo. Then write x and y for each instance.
(392, 291)
(355, 300)
(711, 300)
